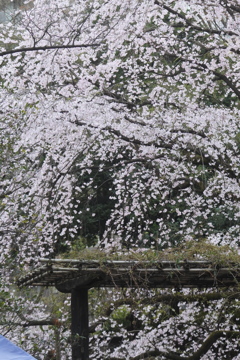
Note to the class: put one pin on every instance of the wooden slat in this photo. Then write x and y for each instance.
(89, 273)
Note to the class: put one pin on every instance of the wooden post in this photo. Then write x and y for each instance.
(80, 335)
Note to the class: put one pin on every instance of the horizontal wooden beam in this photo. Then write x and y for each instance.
(69, 274)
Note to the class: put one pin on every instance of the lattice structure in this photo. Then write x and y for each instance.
(68, 274)
(77, 276)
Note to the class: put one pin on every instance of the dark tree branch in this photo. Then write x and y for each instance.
(162, 144)
(220, 76)
(169, 298)
(44, 48)
(28, 323)
(212, 338)
(120, 99)
(191, 25)
(227, 81)
(92, 327)
(230, 8)
(53, 321)
(206, 345)
(203, 67)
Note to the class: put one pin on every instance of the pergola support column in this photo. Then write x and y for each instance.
(80, 331)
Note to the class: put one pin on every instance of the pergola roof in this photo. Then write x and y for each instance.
(66, 274)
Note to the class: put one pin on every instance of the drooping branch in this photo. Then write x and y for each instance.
(120, 99)
(230, 8)
(206, 345)
(162, 144)
(168, 298)
(189, 24)
(203, 67)
(200, 66)
(227, 81)
(211, 339)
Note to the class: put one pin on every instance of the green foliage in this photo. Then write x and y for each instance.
(237, 140)
(192, 250)
(119, 318)
(235, 311)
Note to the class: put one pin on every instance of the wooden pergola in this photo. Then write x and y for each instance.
(78, 276)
